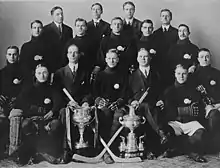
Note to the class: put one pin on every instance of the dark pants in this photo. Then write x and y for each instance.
(37, 139)
(4, 133)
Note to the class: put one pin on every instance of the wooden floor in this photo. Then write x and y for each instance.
(176, 162)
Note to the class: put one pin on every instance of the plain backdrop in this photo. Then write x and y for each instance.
(203, 17)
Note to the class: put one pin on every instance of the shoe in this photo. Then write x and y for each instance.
(150, 156)
(163, 137)
(198, 158)
(170, 153)
(65, 158)
(108, 159)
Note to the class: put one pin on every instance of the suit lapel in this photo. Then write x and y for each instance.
(69, 74)
(55, 28)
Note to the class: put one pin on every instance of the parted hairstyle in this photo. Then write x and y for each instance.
(13, 47)
(55, 8)
(167, 10)
(36, 21)
(130, 3)
(80, 20)
(98, 5)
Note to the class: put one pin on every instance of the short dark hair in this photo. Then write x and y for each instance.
(167, 10)
(183, 66)
(98, 5)
(147, 21)
(129, 3)
(80, 20)
(204, 49)
(55, 8)
(112, 50)
(36, 21)
(13, 47)
(117, 18)
(184, 25)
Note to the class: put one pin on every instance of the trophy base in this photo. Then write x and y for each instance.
(81, 145)
(131, 154)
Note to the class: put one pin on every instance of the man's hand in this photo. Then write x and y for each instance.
(101, 102)
(85, 104)
(160, 104)
(135, 104)
(192, 69)
(73, 104)
(113, 106)
(49, 115)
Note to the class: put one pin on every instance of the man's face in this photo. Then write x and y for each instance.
(80, 28)
(183, 33)
(41, 74)
(147, 29)
(112, 59)
(143, 58)
(36, 29)
(129, 11)
(96, 11)
(73, 54)
(58, 16)
(165, 17)
(204, 58)
(181, 75)
(12, 55)
(116, 26)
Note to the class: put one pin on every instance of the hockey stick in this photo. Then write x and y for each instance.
(98, 157)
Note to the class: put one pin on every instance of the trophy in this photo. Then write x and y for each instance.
(131, 121)
(81, 117)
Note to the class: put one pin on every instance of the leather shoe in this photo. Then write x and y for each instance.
(65, 158)
(108, 159)
(197, 158)
(150, 156)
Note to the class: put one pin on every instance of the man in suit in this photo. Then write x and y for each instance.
(165, 36)
(146, 77)
(184, 50)
(131, 25)
(209, 77)
(123, 43)
(75, 79)
(55, 35)
(97, 27)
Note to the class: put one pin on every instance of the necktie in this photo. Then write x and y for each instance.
(96, 24)
(60, 30)
(145, 73)
(164, 29)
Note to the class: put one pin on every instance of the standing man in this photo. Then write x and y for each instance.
(165, 36)
(85, 43)
(55, 36)
(97, 28)
(123, 43)
(183, 50)
(131, 25)
(32, 52)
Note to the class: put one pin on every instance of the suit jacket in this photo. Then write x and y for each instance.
(76, 84)
(54, 44)
(138, 84)
(134, 29)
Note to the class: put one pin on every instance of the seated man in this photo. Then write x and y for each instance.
(184, 113)
(120, 41)
(11, 83)
(145, 77)
(74, 77)
(40, 128)
(209, 78)
(110, 88)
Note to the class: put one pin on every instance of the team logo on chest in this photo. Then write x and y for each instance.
(120, 48)
(16, 81)
(116, 86)
(187, 56)
(187, 101)
(212, 82)
(47, 101)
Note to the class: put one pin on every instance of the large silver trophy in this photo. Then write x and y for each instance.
(131, 121)
(81, 117)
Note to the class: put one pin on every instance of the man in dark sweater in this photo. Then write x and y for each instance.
(209, 78)
(123, 43)
(32, 52)
(110, 93)
(165, 36)
(85, 43)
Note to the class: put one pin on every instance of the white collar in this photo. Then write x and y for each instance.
(166, 27)
(129, 20)
(96, 20)
(58, 24)
(144, 70)
(73, 66)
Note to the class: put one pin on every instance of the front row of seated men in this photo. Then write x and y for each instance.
(189, 109)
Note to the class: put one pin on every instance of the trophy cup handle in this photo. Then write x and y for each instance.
(144, 120)
(121, 120)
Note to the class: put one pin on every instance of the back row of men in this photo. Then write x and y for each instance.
(152, 61)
